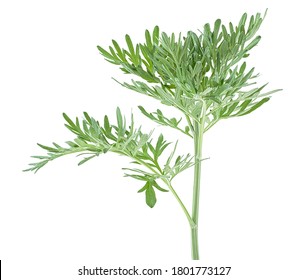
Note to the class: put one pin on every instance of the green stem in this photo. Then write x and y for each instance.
(191, 222)
(198, 139)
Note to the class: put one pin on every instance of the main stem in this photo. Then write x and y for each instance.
(198, 140)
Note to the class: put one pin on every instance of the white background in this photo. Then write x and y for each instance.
(253, 199)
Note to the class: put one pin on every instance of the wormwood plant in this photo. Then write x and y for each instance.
(203, 75)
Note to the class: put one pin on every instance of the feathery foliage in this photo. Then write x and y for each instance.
(93, 139)
(204, 75)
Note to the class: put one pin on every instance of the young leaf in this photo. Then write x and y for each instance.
(49, 149)
(148, 40)
(155, 184)
(252, 44)
(256, 106)
(150, 196)
(144, 188)
(86, 159)
(155, 35)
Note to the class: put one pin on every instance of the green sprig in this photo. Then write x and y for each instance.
(94, 139)
(204, 75)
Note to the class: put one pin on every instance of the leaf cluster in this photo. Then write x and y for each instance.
(93, 139)
(201, 74)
